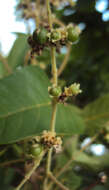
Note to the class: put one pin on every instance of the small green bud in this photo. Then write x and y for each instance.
(75, 89)
(55, 35)
(73, 33)
(40, 36)
(55, 91)
(36, 150)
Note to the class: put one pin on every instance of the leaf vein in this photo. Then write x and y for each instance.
(97, 117)
(24, 109)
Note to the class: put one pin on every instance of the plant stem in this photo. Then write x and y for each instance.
(48, 166)
(54, 68)
(52, 128)
(53, 57)
(53, 117)
(11, 162)
(49, 13)
(37, 17)
(28, 175)
(54, 103)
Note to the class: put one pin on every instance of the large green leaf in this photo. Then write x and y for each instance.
(26, 109)
(17, 54)
(96, 114)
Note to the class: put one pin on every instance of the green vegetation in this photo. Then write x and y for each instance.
(54, 95)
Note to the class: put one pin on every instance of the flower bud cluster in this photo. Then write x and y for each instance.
(73, 33)
(62, 96)
(49, 139)
(72, 90)
(44, 37)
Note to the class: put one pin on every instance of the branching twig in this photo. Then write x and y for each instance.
(37, 17)
(28, 175)
(11, 162)
(66, 166)
(65, 61)
(57, 182)
(49, 13)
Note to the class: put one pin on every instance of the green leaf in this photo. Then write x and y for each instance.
(17, 54)
(26, 109)
(96, 115)
(21, 96)
(68, 121)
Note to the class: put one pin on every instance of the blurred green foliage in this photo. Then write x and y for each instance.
(88, 64)
(89, 58)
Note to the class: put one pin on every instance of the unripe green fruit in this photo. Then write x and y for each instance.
(41, 36)
(73, 33)
(55, 91)
(36, 150)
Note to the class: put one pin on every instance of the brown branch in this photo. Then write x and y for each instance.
(28, 175)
